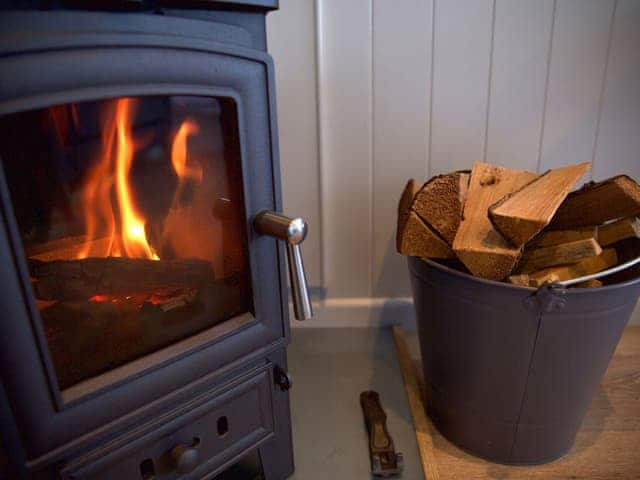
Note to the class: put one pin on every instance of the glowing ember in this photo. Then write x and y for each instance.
(166, 298)
(99, 298)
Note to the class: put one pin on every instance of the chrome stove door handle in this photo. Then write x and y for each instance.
(292, 231)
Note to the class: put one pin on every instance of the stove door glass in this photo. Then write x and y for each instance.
(132, 219)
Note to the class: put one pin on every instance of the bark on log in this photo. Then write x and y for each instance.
(597, 203)
(414, 237)
(440, 203)
(81, 279)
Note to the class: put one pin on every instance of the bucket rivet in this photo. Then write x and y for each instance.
(547, 299)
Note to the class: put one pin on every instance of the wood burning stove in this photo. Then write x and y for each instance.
(145, 311)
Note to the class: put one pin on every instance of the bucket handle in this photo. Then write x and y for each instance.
(603, 273)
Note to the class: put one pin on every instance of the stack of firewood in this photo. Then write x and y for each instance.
(520, 227)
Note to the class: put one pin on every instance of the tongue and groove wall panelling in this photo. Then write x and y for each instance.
(618, 140)
(291, 38)
(401, 75)
(617, 148)
(413, 88)
(345, 101)
(519, 66)
(460, 82)
(579, 49)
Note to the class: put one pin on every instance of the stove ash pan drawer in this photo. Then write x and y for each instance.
(195, 442)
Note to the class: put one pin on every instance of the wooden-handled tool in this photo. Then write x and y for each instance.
(384, 459)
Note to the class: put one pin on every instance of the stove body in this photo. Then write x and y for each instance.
(144, 320)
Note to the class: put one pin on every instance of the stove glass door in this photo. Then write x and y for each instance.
(132, 219)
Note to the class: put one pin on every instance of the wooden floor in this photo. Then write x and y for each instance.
(607, 446)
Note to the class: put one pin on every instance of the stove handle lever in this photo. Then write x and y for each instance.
(292, 231)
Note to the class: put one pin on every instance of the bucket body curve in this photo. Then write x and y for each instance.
(510, 374)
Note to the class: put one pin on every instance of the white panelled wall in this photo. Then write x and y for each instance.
(373, 92)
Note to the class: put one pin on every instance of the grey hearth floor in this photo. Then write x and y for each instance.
(330, 367)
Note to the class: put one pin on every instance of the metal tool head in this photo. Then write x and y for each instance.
(385, 462)
(387, 465)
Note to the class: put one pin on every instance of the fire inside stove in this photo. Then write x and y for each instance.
(131, 215)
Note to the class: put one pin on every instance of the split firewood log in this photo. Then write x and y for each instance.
(414, 237)
(608, 258)
(440, 202)
(483, 250)
(565, 253)
(597, 203)
(522, 214)
(619, 230)
(556, 237)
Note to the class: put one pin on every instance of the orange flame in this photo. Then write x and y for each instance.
(97, 201)
(134, 239)
(179, 152)
(119, 230)
(116, 158)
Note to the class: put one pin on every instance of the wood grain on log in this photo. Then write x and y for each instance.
(522, 214)
(440, 203)
(556, 237)
(608, 258)
(572, 252)
(619, 230)
(484, 251)
(597, 203)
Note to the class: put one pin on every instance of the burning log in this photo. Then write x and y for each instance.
(68, 247)
(67, 280)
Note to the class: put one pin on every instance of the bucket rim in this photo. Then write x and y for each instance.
(434, 264)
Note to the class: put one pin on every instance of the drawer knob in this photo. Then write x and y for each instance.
(184, 458)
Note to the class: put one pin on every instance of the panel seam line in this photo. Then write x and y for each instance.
(490, 79)
(320, 138)
(546, 85)
(602, 88)
(432, 77)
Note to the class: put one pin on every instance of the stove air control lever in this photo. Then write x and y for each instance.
(293, 231)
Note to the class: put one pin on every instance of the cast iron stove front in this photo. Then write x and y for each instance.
(145, 321)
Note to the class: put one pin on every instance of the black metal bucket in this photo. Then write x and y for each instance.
(510, 371)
